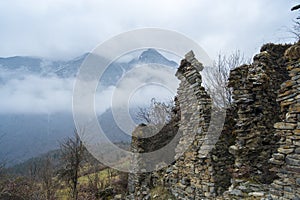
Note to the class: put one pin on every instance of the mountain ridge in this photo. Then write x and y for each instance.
(29, 134)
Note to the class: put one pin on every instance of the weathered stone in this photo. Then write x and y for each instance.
(296, 143)
(292, 53)
(276, 162)
(190, 57)
(278, 156)
(295, 169)
(290, 96)
(285, 126)
(256, 194)
(289, 196)
(285, 151)
(288, 83)
(236, 192)
(189, 190)
(298, 181)
(294, 71)
(294, 108)
(291, 161)
(277, 186)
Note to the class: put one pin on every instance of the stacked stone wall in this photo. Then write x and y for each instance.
(287, 156)
(258, 152)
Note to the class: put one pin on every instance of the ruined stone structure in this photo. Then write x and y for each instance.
(195, 106)
(140, 184)
(195, 174)
(287, 156)
(255, 89)
(258, 152)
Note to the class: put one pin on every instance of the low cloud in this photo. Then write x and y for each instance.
(35, 94)
(143, 83)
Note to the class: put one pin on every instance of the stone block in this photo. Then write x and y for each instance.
(285, 126)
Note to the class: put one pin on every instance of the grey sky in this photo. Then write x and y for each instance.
(67, 28)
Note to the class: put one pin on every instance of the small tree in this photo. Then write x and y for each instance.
(296, 27)
(2, 168)
(72, 151)
(2, 162)
(158, 113)
(215, 78)
(95, 183)
(46, 176)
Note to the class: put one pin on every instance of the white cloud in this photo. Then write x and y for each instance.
(34, 94)
(68, 28)
(138, 87)
(103, 99)
(144, 82)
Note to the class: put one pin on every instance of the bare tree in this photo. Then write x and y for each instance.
(33, 170)
(46, 176)
(215, 78)
(72, 151)
(295, 30)
(95, 183)
(42, 173)
(296, 27)
(2, 168)
(2, 162)
(158, 113)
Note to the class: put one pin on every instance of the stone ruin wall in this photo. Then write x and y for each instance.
(140, 184)
(287, 156)
(255, 89)
(196, 175)
(257, 154)
(195, 105)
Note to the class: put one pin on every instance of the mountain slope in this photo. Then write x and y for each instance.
(27, 134)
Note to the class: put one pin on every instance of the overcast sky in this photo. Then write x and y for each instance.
(62, 29)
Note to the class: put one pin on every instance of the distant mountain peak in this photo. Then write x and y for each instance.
(81, 57)
(20, 66)
(153, 56)
(150, 52)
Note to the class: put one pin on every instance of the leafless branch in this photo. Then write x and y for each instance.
(158, 113)
(72, 151)
(215, 78)
(295, 7)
